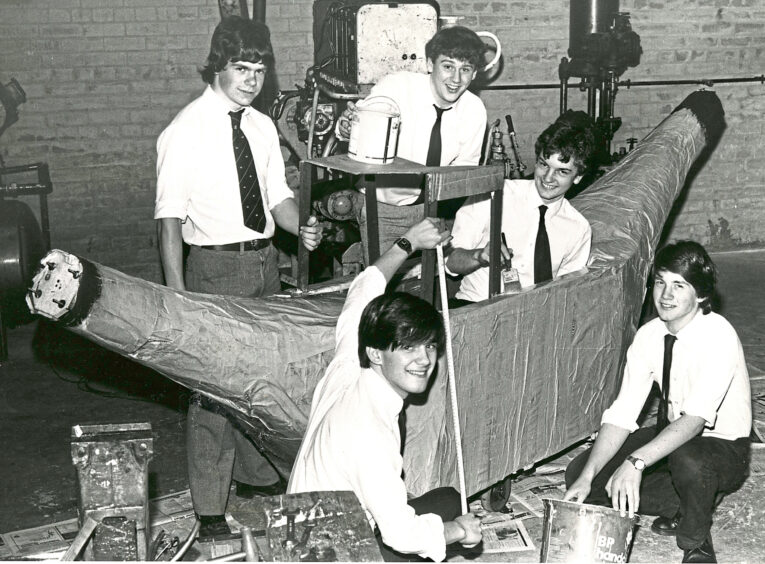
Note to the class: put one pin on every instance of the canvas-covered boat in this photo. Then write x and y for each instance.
(534, 370)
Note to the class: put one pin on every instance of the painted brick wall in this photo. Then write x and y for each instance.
(104, 77)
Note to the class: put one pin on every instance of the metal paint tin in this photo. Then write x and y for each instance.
(578, 532)
(374, 130)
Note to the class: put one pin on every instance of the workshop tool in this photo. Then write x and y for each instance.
(452, 381)
(248, 545)
(511, 280)
(112, 472)
(291, 540)
(188, 542)
(83, 536)
(300, 549)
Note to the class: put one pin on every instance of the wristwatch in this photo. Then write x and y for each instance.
(638, 463)
(404, 244)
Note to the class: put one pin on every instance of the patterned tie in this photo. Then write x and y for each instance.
(253, 215)
(662, 419)
(434, 149)
(542, 260)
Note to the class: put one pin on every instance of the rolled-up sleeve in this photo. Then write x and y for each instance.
(173, 158)
(713, 372)
(276, 183)
(636, 385)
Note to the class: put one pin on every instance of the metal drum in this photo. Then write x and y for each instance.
(21, 245)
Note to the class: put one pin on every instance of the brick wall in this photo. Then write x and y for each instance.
(104, 77)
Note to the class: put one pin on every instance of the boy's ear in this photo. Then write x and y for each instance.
(375, 355)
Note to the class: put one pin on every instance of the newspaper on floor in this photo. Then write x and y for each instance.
(173, 512)
(507, 535)
(45, 542)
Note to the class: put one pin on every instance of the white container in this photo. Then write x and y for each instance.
(374, 130)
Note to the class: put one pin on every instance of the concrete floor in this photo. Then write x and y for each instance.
(54, 380)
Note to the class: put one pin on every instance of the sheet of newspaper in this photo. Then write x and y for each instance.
(508, 535)
(172, 512)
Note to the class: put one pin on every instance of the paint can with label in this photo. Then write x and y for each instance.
(578, 532)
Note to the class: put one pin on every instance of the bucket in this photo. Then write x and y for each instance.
(578, 532)
(374, 130)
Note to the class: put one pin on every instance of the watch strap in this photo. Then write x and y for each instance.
(404, 244)
(638, 463)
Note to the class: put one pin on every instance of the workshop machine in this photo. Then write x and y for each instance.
(601, 47)
(22, 243)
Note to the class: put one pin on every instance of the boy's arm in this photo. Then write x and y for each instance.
(286, 216)
(171, 251)
(371, 283)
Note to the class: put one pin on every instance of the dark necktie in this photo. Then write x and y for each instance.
(662, 419)
(434, 148)
(542, 260)
(253, 215)
(402, 427)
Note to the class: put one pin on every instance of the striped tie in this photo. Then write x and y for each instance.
(253, 214)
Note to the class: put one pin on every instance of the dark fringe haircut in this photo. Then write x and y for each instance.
(237, 39)
(691, 261)
(399, 319)
(457, 42)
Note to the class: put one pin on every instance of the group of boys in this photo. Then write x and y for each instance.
(221, 190)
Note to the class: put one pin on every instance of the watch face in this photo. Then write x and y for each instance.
(637, 462)
(404, 243)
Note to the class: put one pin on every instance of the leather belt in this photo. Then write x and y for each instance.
(254, 245)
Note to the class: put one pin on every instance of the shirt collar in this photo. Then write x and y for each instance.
(536, 201)
(218, 104)
(694, 325)
(386, 398)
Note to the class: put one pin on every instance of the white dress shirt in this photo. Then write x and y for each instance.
(568, 231)
(353, 443)
(463, 128)
(708, 377)
(197, 179)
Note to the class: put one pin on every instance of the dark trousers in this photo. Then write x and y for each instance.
(216, 448)
(688, 480)
(444, 502)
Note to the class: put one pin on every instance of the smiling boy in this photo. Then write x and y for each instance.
(565, 151)
(438, 100)
(221, 190)
(699, 448)
(387, 348)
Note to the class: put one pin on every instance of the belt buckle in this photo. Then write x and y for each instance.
(242, 246)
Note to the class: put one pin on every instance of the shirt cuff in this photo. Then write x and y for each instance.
(707, 413)
(612, 416)
(163, 211)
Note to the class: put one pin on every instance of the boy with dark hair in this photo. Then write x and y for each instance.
(442, 123)
(221, 190)
(387, 347)
(699, 448)
(545, 234)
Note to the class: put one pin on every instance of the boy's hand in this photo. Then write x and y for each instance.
(427, 234)
(311, 233)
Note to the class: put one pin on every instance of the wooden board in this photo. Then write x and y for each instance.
(341, 532)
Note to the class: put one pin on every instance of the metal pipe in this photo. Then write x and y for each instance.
(259, 10)
(188, 542)
(631, 83)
